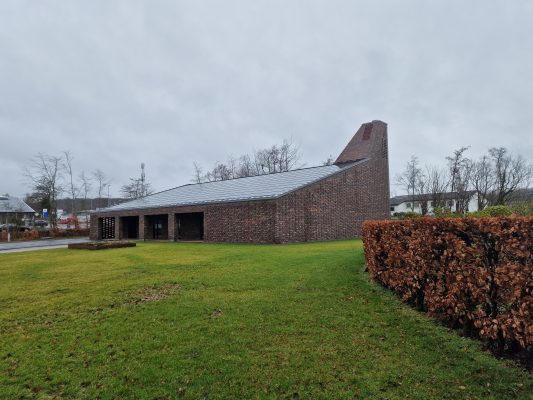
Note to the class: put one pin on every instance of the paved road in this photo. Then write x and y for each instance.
(43, 244)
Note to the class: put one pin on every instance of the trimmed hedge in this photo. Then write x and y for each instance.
(474, 273)
(35, 234)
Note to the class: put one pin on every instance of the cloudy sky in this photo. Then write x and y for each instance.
(171, 82)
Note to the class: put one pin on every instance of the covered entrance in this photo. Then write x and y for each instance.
(156, 227)
(190, 226)
(129, 227)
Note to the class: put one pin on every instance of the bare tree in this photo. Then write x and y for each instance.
(510, 173)
(85, 188)
(44, 175)
(220, 172)
(288, 156)
(101, 182)
(483, 180)
(138, 187)
(460, 175)
(73, 189)
(265, 160)
(198, 173)
(412, 180)
(278, 158)
(436, 185)
(245, 167)
(329, 161)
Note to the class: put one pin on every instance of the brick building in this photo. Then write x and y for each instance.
(308, 204)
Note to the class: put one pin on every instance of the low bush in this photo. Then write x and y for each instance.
(523, 208)
(493, 211)
(59, 233)
(34, 234)
(474, 273)
(406, 215)
(445, 212)
(19, 235)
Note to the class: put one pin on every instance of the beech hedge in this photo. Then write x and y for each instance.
(474, 273)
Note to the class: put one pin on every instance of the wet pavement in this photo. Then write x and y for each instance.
(42, 244)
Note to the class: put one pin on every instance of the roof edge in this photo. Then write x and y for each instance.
(341, 169)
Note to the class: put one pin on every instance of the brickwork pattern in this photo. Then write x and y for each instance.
(333, 208)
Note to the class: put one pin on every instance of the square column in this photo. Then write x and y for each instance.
(171, 227)
(141, 227)
(117, 228)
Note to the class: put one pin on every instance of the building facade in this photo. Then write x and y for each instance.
(14, 210)
(321, 203)
(406, 203)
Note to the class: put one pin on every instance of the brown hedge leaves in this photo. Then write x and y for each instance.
(475, 273)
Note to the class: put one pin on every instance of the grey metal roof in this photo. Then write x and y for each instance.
(10, 204)
(260, 187)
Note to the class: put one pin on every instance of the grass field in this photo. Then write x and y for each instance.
(204, 321)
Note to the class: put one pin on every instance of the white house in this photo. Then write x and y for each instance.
(405, 203)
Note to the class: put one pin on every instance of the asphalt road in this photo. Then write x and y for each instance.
(42, 244)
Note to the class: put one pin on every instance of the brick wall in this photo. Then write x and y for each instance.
(248, 222)
(336, 207)
(333, 208)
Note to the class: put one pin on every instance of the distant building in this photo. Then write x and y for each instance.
(409, 203)
(13, 209)
(319, 203)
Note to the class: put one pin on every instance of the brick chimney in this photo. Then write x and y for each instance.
(370, 141)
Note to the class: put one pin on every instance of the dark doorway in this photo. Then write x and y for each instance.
(156, 227)
(130, 227)
(190, 226)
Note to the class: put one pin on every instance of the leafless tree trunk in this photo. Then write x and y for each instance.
(246, 167)
(510, 173)
(138, 187)
(412, 180)
(44, 174)
(85, 188)
(483, 181)
(101, 183)
(460, 168)
(278, 158)
(436, 185)
(288, 156)
(67, 157)
(198, 173)
(329, 161)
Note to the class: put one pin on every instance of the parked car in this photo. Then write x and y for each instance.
(67, 220)
(14, 228)
(40, 223)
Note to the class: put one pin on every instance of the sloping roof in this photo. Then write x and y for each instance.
(397, 200)
(260, 187)
(10, 204)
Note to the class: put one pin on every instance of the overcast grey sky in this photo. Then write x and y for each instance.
(171, 82)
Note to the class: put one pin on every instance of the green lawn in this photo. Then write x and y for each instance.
(167, 320)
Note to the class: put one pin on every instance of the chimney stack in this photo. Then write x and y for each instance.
(370, 141)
